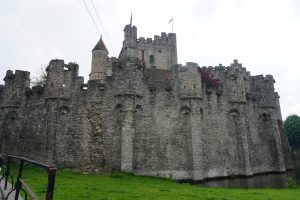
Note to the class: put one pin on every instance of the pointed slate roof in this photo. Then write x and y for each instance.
(100, 45)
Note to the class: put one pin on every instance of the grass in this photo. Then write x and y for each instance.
(73, 185)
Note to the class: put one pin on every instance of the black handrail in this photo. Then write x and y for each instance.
(20, 183)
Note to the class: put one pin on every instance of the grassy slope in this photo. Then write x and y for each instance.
(71, 185)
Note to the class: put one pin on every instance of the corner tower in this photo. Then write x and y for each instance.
(100, 61)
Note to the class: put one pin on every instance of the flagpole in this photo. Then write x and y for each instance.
(171, 20)
(131, 19)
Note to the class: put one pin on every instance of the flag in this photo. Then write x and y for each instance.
(131, 19)
(171, 20)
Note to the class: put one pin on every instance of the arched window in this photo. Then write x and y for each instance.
(11, 115)
(185, 110)
(119, 108)
(64, 110)
(138, 108)
(234, 114)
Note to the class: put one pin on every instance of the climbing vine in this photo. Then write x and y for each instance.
(208, 78)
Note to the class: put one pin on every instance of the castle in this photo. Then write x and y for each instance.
(144, 113)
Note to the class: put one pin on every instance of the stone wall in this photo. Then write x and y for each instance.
(164, 122)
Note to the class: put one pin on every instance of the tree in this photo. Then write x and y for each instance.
(40, 79)
(292, 129)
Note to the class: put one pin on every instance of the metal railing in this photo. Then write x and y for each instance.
(20, 184)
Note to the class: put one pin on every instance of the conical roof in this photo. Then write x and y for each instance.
(100, 45)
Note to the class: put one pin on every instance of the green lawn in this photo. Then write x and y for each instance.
(71, 185)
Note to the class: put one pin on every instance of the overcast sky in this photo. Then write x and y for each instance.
(264, 35)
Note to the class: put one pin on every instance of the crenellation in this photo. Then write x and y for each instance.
(157, 39)
(236, 64)
(55, 64)
(191, 64)
(143, 113)
(38, 89)
(74, 67)
(9, 75)
(141, 40)
(15, 87)
(149, 40)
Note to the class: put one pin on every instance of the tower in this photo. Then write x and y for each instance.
(130, 42)
(99, 61)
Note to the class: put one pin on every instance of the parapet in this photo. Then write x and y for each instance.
(130, 32)
(55, 65)
(236, 63)
(17, 75)
(236, 67)
(37, 89)
(59, 65)
(165, 38)
(129, 27)
(268, 78)
(34, 90)
(20, 79)
(191, 64)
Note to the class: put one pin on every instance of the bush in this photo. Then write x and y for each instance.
(291, 183)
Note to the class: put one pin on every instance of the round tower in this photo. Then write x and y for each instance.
(130, 41)
(99, 61)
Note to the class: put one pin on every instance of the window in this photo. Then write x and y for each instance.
(151, 59)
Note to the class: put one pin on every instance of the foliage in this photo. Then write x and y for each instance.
(207, 77)
(40, 79)
(292, 129)
(291, 183)
(75, 185)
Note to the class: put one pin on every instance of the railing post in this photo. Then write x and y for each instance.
(18, 182)
(51, 182)
(7, 172)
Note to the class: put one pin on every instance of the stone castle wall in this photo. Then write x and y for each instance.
(165, 121)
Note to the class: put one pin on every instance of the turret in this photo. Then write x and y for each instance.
(61, 78)
(15, 87)
(100, 61)
(189, 81)
(236, 82)
(130, 32)
(130, 42)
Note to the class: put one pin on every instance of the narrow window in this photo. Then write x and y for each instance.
(151, 59)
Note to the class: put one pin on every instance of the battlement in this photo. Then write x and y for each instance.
(191, 64)
(268, 78)
(17, 75)
(34, 90)
(130, 32)
(55, 64)
(160, 52)
(165, 38)
(59, 65)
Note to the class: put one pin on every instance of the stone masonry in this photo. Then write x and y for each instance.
(144, 113)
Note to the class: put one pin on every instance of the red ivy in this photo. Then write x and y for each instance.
(208, 77)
